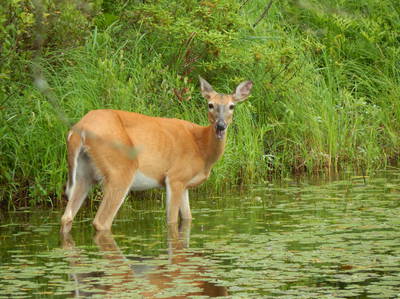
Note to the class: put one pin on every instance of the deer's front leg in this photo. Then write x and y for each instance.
(175, 193)
(185, 206)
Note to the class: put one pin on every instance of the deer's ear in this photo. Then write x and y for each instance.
(206, 88)
(242, 91)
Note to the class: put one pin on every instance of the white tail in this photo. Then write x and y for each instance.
(171, 153)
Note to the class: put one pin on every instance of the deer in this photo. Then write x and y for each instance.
(168, 152)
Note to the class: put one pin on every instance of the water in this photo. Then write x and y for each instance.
(337, 239)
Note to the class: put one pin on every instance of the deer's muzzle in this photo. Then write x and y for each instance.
(220, 127)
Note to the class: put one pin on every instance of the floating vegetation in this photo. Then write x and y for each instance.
(296, 239)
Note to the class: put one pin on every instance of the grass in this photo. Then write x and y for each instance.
(325, 97)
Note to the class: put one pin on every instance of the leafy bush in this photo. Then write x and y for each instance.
(54, 24)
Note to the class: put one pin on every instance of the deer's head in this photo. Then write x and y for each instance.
(221, 106)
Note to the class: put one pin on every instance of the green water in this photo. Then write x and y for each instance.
(293, 239)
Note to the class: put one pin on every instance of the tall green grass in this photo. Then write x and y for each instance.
(325, 97)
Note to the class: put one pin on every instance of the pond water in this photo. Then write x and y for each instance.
(293, 239)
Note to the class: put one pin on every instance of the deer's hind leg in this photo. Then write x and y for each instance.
(115, 189)
(81, 178)
(118, 170)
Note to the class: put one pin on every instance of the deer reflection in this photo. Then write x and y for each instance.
(122, 276)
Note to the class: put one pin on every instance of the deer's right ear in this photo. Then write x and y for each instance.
(206, 88)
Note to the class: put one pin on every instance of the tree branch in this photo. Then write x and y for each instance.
(264, 14)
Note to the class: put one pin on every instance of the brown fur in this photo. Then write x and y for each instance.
(172, 152)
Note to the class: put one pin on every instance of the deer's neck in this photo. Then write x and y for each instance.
(210, 146)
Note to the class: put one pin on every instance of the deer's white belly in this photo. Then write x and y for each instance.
(142, 182)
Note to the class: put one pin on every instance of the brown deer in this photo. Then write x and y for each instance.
(171, 153)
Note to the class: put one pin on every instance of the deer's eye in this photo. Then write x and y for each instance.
(231, 107)
(210, 106)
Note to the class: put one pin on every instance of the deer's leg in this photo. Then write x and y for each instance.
(81, 179)
(185, 206)
(175, 193)
(115, 189)
(117, 167)
(78, 195)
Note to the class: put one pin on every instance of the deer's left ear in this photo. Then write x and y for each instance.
(242, 91)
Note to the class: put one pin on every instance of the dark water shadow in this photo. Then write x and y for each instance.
(178, 274)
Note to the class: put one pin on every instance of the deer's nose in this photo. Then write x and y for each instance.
(220, 125)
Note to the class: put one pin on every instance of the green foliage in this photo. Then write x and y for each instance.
(62, 24)
(187, 33)
(16, 27)
(325, 95)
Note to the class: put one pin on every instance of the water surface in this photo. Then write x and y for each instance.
(336, 239)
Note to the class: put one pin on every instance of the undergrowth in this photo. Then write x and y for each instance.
(325, 73)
